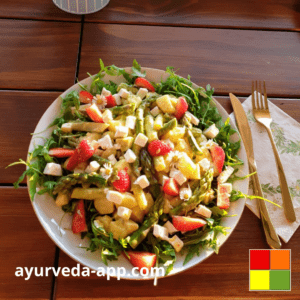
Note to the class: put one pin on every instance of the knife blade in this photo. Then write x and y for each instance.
(245, 132)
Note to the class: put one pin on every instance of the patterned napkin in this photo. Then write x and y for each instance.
(81, 6)
(286, 133)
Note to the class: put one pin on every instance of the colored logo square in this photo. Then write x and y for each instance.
(259, 259)
(259, 280)
(280, 259)
(280, 280)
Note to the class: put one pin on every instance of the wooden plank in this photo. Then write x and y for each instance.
(16, 136)
(224, 276)
(227, 59)
(22, 113)
(38, 55)
(266, 14)
(34, 9)
(24, 243)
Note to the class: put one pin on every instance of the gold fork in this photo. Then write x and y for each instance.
(262, 115)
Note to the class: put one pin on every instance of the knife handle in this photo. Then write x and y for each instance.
(271, 235)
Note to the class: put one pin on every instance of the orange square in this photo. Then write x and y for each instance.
(280, 259)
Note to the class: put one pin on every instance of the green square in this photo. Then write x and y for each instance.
(259, 280)
(280, 280)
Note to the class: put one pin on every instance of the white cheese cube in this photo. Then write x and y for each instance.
(121, 132)
(67, 127)
(114, 197)
(117, 146)
(203, 211)
(130, 122)
(124, 93)
(130, 157)
(223, 177)
(211, 132)
(142, 92)
(227, 186)
(170, 227)
(155, 111)
(178, 176)
(194, 119)
(204, 164)
(105, 92)
(117, 99)
(107, 116)
(112, 159)
(124, 212)
(141, 140)
(53, 169)
(142, 181)
(160, 232)
(105, 142)
(176, 242)
(92, 167)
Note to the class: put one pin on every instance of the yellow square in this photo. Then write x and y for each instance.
(259, 280)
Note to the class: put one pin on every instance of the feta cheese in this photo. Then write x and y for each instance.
(123, 93)
(114, 197)
(204, 164)
(176, 242)
(142, 181)
(141, 140)
(223, 177)
(67, 127)
(170, 227)
(227, 187)
(178, 176)
(117, 99)
(53, 169)
(105, 92)
(130, 157)
(92, 167)
(130, 122)
(160, 232)
(211, 132)
(155, 111)
(112, 159)
(124, 212)
(142, 92)
(105, 142)
(193, 118)
(121, 131)
(203, 211)
(117, 146)
(107, 116)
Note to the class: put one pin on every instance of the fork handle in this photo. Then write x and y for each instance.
(286, 197)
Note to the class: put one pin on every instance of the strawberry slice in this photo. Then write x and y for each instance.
(61, 152)
(94, 113)
(141, 259)
(85, 97)
(171, 187)
(218, 157)
(123, 184)
(158, 148)
(83, 152)
(79, 222)
(110, 101)
(187, 223)
(223, 200)
(144, 83)
(181, 108)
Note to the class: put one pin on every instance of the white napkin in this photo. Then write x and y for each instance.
(286, 133)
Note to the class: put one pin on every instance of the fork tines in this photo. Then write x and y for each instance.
(257, 100)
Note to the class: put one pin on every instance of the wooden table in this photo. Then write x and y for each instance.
(43, 51)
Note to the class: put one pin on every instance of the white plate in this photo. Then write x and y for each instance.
(50, 215)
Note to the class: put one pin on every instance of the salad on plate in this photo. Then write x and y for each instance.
(145, 169)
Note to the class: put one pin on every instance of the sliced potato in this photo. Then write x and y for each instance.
(137, 214)
(62, 199)
(105, 221)
(85, 126)
(87, 194)
(104, 206)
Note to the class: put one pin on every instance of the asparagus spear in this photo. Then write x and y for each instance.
(193, 143)
(197, 197)
(150, 132)
(127, 109)
(167, 127)
(100, 160)
(152, 218)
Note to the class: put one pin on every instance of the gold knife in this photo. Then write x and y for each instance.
(245, 132)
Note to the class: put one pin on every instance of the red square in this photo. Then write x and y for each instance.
(259, 259)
